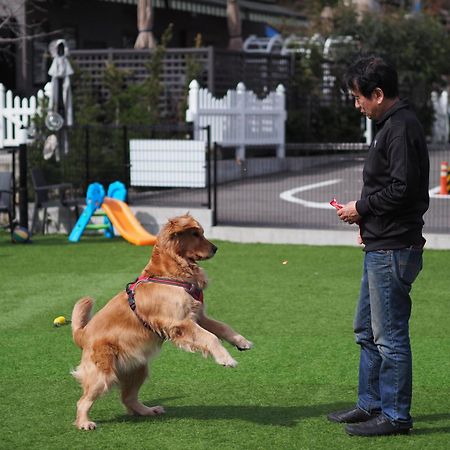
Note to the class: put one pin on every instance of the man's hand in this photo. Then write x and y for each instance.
(359, 239)
(348, 213)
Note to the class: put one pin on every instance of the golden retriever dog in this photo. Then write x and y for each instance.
(164, 303)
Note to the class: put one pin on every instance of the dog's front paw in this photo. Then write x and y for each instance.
(227, 361)
(230, 363)
(242, 344)
(86, 425)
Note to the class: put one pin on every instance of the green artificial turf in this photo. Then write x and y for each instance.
(296, 303)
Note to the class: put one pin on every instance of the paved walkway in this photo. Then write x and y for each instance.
(308, 237)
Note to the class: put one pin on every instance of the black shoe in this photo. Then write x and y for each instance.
(354, 415)
(378, 426)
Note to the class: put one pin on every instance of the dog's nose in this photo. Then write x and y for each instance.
(214, 249)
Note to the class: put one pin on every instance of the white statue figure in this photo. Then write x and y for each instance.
(60, 72)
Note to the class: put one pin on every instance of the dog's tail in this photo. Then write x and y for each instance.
(81, 315)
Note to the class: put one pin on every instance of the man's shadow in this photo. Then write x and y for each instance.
(431, 418)
(284, 416)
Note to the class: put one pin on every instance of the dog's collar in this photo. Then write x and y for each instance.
(190, 288)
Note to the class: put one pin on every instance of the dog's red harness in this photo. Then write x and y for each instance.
(190, 288)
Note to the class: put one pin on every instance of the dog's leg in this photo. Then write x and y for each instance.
(96, 374)
(224, 331)
(84, 405)
(130, 384)
(94, 385)
(191, 337)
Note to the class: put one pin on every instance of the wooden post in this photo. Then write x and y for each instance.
(241, 123)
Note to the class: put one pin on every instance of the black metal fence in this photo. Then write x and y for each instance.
(262, 191)
(102, 154)
(295, 192)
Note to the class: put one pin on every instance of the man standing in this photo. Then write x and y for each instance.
(389, 213)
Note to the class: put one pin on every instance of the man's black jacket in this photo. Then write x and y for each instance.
(395, 195)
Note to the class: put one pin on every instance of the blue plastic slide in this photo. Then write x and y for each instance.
(118, 191)
(94, 199)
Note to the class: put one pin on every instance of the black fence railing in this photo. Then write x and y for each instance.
(102, 154)
(262, 191)
(295, 192)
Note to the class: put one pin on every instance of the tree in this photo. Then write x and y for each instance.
(14, 30)
(17, 31)
(417, 44)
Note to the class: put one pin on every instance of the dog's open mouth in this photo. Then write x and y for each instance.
(196, 258)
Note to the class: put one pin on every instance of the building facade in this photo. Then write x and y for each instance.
(101, 24)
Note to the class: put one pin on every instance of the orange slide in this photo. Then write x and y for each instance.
(125, 222)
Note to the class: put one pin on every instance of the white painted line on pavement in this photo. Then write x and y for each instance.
(434, 193)
(288, 196)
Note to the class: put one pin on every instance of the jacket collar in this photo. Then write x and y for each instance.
(401, 104)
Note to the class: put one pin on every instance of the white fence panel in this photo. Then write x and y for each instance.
(16, 114)
(167, 163)
(240, 118)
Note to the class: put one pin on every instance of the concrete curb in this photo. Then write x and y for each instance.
(153, 218)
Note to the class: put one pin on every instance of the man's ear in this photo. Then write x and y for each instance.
(379, 95)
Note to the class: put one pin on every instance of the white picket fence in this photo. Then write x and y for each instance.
(17, 113)
(240, 118)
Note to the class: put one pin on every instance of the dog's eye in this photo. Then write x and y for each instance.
(195, 233)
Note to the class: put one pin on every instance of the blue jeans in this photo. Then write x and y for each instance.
(382, 330)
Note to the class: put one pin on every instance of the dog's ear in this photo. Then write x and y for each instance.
(180, 224)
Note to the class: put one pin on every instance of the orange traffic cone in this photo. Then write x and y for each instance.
(444, 173)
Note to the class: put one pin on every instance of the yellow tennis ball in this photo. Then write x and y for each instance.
(60, 320)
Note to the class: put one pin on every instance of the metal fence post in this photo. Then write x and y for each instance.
(14, 171)
(214, 209)
(86, 155)
(208, 163)
(23, 179)
(126, 158)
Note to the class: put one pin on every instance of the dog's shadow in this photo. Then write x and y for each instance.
(285, 416)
